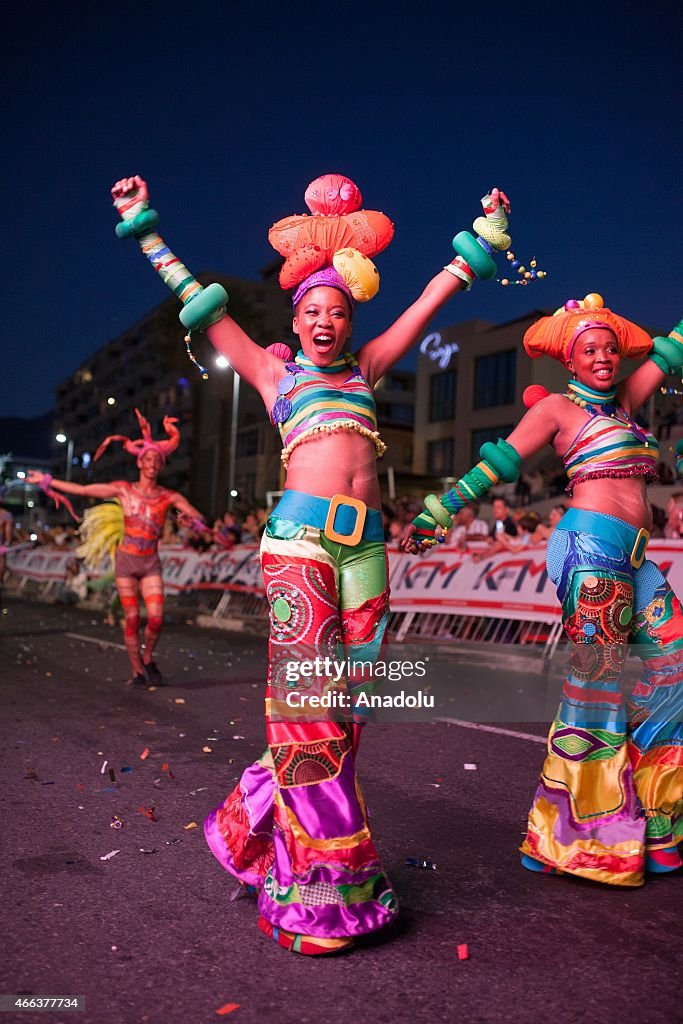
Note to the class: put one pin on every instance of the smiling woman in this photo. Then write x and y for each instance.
(609, 805)
(296, 828)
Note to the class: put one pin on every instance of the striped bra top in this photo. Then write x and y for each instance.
(610, 444)
(308, 405)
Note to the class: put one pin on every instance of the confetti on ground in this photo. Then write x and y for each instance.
(202, 789)
(145, 754)
(127, 768)
(207, 750)
(111, 775)
(470, 767)
(150, 721)
(108, 856)
(238, 737)
(148, 812)
(416, 862)
(166, 768)
(463, 952)
(192, 824)
(116, 822)
(227, 1008)
(153, 850)
(172, 842)
(179, 700)
(104, 767)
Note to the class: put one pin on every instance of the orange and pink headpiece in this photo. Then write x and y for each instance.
(140, 446)
(556, 335)
(333, 245)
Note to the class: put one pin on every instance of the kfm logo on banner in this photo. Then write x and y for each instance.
(514, 586)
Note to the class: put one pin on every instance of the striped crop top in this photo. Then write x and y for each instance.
(308, 405)
(610, 445)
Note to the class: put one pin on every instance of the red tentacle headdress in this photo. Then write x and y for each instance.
(146, 443)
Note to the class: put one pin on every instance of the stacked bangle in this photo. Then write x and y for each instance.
(459, 268)
(499, 461)
(667, 353)
(201, 306)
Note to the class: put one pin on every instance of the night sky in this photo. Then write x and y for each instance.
(230, 109)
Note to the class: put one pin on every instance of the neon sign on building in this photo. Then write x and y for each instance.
(438, 350)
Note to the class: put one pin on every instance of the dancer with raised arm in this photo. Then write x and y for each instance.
(296, 828)
(609, 805)
(129, 530)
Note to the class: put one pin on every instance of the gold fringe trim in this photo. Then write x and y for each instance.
(333, 428)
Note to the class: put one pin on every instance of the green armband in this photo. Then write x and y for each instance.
(667, 353)
(499, 461)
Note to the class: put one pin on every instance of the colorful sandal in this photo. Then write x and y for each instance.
(308, 945)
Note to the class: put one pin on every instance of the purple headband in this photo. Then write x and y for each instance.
(586, 325)
(325, 278)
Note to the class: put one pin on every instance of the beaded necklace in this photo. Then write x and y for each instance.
(602, 403)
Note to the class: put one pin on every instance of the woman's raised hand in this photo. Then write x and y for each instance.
(34, 476)
(496, 199)
(130, 196)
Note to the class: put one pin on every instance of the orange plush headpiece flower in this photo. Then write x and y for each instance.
(338, 234)
(556, 335)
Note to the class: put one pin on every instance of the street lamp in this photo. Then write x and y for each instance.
(223, 364)
(69, 452)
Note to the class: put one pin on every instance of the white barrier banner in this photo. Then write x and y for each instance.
(239, 569)
(504, 586)
(182, 568)
(512, 586)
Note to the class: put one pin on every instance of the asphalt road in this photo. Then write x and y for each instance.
(151, 934)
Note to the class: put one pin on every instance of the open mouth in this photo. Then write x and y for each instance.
(323, 343)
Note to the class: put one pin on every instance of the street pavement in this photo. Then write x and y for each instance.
(153, 933)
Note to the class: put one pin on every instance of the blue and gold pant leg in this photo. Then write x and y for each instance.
(656, 717)
(585, 818)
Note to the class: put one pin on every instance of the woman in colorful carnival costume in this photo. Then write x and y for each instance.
(296, 828)
(129, 530)
(609, 805)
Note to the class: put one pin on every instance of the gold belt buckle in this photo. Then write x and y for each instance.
(638, 556)
(350, 539)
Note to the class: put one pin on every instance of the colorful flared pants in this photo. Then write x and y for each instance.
(610, 799)
(296, 826)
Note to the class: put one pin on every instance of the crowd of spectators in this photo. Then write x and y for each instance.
(506, 524)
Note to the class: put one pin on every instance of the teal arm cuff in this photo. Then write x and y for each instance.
(667, 353)
(502, 461)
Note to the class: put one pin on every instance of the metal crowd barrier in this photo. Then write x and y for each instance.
(214, 604)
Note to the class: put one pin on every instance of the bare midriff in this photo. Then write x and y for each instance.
(624, 498)
(342, 462)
